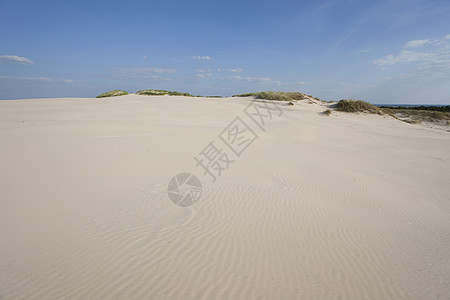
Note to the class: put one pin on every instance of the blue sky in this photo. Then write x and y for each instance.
(386, 51)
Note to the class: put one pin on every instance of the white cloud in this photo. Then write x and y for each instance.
(34, 79)
(254, 79)
(219, 70)
(239, 70)
(67, 80)
(303, 83)
(416, 43)
(203, 75)
(201, 57)
(142, 73)
(203, 70)
(404, 57)
(437, 50)
(365, 50)
(15, 59)
(144, 57)
(160, 70)
(432, 65)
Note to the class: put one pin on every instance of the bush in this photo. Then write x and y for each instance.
(279, 96)
(413, 115)
(162, 93)
(113, 94)
(327, 112)
(348, 105)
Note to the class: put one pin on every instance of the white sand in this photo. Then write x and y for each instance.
(346, 206)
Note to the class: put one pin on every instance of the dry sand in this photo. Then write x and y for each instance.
(346, 206)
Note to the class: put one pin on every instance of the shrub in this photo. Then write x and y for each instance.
(162, 93)
(327, 112)
(279, 96)
(348, 105)
(113, 94)
(413, 115)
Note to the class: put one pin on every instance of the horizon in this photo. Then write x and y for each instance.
(212, 96)
(389, 52)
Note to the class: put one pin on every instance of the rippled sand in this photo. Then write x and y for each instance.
(346, 206)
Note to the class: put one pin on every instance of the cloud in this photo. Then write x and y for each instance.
(201, 57)
(142, 73)
(203, 70)
(416, 43)
(239, 70)
(437, 50)
(203, 75)
(431, 65)
(254, 79)
(15, 59)
(365, 50)
(303, 83)
(404, 57)
(144, 57)
(34, 79)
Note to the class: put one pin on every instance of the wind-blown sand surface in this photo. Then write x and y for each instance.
(346, 206)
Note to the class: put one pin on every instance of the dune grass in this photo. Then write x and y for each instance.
(162, 93)
(416, 116)
(113, 94)
(444, 108)
(279, 96)
(352, 106)
(413, 115)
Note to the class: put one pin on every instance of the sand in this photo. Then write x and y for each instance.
(350, 206)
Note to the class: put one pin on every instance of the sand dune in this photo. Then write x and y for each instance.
(346, 206)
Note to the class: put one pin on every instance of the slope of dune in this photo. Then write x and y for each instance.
(346, 206)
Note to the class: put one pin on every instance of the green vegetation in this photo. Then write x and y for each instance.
(432, 114)
(162, 92)
(413, 115)
(348, 105)
(290, 103)
(113, 94)
(422, 107)
(327, 112)
(280, 96)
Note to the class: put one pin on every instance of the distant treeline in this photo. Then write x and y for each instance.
(445, 108)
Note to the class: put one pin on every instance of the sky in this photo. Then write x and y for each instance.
(383, 52)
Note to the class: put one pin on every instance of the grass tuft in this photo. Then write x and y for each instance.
(348, 105)
(327, 112)
(279, 96)
(416, 116)
(162, 93)
(113, 94)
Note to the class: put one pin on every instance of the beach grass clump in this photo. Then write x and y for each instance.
(113, 94)
(416, 116)
(352, 106)
(279, 96)
(162, 93)
(327, 112)
(442, 108)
